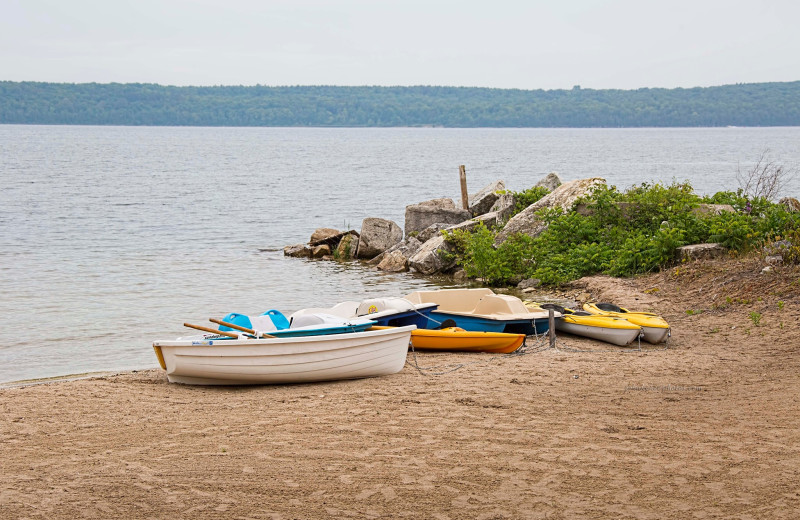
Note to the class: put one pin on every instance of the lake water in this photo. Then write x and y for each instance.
(111, 237)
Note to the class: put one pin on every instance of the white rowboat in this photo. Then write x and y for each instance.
(209, 360)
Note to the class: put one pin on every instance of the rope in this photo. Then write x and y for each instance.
(540, 344)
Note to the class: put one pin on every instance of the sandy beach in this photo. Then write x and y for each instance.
(707, 428)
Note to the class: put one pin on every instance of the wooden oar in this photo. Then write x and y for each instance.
(215, 331)
(238, 327)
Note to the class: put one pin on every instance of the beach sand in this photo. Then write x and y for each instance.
(708, 428)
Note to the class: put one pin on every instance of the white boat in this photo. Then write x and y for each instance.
(391, 312)
(211, 359)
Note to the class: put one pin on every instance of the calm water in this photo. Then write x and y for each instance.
(111, 237)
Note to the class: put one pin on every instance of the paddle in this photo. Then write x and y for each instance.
(239, 327)
(206, 329)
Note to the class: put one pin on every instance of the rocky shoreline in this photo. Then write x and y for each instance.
(421, 246)
(418, 246)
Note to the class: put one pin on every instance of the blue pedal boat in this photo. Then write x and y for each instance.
(482, 310)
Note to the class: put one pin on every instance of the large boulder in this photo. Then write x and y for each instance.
(551, 181)
(504, 207)
(488, 219)
(790, 203)
(407, 247)
(430, 257)
(394, 262)
(419, 216)
(324, 236)
(701, 251)
(483, 201)
(377, 235)
(297, 251)
(321, 251)
(713, 209)
(348, 245)
(431, 231)
(563, 197)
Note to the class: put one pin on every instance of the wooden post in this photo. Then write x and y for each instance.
(462, 173)
(551, 319)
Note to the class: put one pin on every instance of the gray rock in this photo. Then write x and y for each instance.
(297, 251)
(377, 235)
(428, 260)
(408, 247)
(488, 219)
(420, 216)
(431, 231)
(551, 181)
(460, 276)
(483, 201)
(529, 283)
(701, 251)
(467, 225)
(324, 235)
(504, 206)
(791, 204)
(320, 251)
(778, 247)
(713, 209)
(348, 245)
(563, 197)
(394, 262)
(774, 260)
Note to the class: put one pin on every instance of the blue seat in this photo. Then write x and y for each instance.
(237, 319)
(278, 319)
(242, 320)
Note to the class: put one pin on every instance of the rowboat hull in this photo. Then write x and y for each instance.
(203, 361)
(466, 341)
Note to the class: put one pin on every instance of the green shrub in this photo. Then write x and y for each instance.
(625, 233)
(528, 197)
(480, 259)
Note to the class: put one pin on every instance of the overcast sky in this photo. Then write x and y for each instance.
(501, 43)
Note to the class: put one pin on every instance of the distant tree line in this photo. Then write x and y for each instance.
(755, 104)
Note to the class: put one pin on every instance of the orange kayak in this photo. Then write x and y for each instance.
(460, 340)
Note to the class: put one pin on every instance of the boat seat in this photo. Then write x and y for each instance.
(378, 305)
(269, 321)
(278, 319)
(451, 300)
(493, 304)
(610, 307)
(318, 319)
(344, 310)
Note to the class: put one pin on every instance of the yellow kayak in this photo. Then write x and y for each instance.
(656, 329)
(460, 340)
(617, 331)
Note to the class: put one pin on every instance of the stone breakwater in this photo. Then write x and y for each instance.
(420, 244)
(421, 247)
